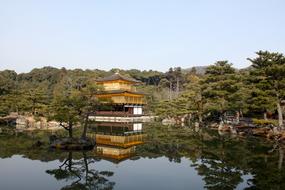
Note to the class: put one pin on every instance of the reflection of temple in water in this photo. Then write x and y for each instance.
(117, 141)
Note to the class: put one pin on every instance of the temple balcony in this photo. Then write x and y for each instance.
(118, 86)
(121, 99)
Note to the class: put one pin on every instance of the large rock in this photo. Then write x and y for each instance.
(224, 127)
(41, 123)
(21, 123)
(260, 132)
(214, 125)
(276, 135)
(53, 125)
(282, 137)
(168, 121)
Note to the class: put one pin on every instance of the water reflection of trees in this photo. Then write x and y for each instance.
(222, 161)
(75, 168)
(80, 175)
(218, 175)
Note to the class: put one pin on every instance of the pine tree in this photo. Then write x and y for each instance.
(221, 82)
(268, 75)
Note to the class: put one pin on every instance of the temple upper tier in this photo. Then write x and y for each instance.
(118, 82)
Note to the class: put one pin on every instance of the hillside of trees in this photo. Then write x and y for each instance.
(257, 91)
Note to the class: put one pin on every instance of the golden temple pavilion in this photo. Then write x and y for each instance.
(119, 96)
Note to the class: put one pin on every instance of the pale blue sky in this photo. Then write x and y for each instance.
(140, 34)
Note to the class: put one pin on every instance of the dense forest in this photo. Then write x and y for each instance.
(205, 92)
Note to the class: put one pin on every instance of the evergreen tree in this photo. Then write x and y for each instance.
(268, 75)
(74, 105)
(219, 85)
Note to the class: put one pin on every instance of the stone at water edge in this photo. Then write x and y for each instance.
(233, 130)
(214, 125)
(260, 132)
(223, 127)
(196, 124)
(73, 144)
(167, 121)
(275, 130)
(242, 133)
(282, 138)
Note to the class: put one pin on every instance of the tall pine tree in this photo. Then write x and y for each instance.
(268, 74)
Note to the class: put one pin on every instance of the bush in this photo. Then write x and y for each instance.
(264, 122)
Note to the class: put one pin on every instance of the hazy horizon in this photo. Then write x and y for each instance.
(83, 69)
(143, 35)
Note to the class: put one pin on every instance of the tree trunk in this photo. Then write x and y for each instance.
(33, 110)
(70, 131)
(265, 115)
(200, 117)
(177, 87)
(189, 118)
(280, 116)
(241, 113)
(86, 166)
(238, 116)
(70, 161)
(170, 90)
(281, 157)
(84, 132)
(200, 110)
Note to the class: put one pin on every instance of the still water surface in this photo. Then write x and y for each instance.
(160, 157)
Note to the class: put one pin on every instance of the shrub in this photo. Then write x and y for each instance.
(264, 122)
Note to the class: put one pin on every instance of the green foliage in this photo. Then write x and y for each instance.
(252, 92)
(7, 81)
(73, 104)
(268, 77)
(264, 122)
(220, 83)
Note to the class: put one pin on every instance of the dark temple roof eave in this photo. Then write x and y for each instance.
(117, 76)
(119, 92)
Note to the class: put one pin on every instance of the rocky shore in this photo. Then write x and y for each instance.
(35, 123)
(265, 129)
(269, 132)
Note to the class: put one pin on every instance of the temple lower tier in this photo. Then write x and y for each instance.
(120, 110)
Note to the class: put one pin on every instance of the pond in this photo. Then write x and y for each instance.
(149, 157)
